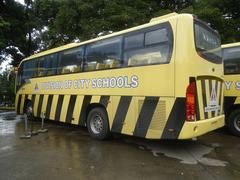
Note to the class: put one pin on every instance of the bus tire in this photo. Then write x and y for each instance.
(29, 111)
(97, 123)
(234, 122)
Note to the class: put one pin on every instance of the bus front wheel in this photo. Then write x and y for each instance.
(97, 123)
(29, 111)
(234, 122)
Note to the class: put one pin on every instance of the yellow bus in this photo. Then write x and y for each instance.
(231, 56)
(160, 80)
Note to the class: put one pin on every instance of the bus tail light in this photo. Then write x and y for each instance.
(190, 102)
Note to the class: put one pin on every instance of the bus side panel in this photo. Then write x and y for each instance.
(20, 103)
(141, 107)
(63, 108)
(17, 103)
(148, 117)
(231, 92)
(232, 85)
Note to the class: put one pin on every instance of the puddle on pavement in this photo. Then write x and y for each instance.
(8, 121)
(187, 152)
(192, 154)
(8, 116)
(5, 148)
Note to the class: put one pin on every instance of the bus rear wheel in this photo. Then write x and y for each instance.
(234, 122)
(97, 123)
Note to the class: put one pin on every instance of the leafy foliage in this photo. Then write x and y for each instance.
(7, 93)
(44, 24)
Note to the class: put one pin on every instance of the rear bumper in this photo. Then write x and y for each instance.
(198, 128)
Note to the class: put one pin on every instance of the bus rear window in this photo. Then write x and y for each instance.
(207, 42)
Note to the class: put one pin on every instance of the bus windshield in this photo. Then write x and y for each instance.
(207, 42)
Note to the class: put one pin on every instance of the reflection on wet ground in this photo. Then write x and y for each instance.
(187, 153)
(67, 152)
(8, 121)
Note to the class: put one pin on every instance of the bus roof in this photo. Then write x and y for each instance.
(152, 22)
(231, 45)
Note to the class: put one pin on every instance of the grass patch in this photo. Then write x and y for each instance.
(7, 108)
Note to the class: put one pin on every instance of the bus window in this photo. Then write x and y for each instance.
(52, 64)
(29, 70)
(70, 61)
(47, 65)
(231, 58)
(156, 49)
(42, 66)
(207, 43)
(104, 54)
(157, 36)
(134, 41)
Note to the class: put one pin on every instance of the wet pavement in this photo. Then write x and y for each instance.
(67, 152)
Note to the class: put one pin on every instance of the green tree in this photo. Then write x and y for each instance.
(17, 24)
(7, 90)
(222, 15)
(84, 19)
(12, 29)
(44, 24)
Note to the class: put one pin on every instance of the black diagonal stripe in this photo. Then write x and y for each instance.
(83, 114)
(216, 89)
(33, 100)
(39, 109)
(228, 103)
(175, 120)
(59, 107)
(210, 91)
(24, 103)
(19, 103)
(26, 97)
(145, 116)
(121, 113)
(71, 106)
(104, 100)
(49, 105)
(204, 98)
(220, 97)
(197, 104)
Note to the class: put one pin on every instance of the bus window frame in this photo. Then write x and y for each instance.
(166, 25)
(58, 60)
(163, 25)
(89, 44)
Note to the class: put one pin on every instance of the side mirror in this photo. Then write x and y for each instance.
(11, 72)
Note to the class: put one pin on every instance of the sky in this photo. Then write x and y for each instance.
(5, 65)
(21, 1)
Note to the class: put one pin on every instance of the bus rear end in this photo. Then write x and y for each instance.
(199, 69)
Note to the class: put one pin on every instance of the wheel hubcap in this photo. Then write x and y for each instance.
(237, 123)
(29, 112)
(96, 124)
